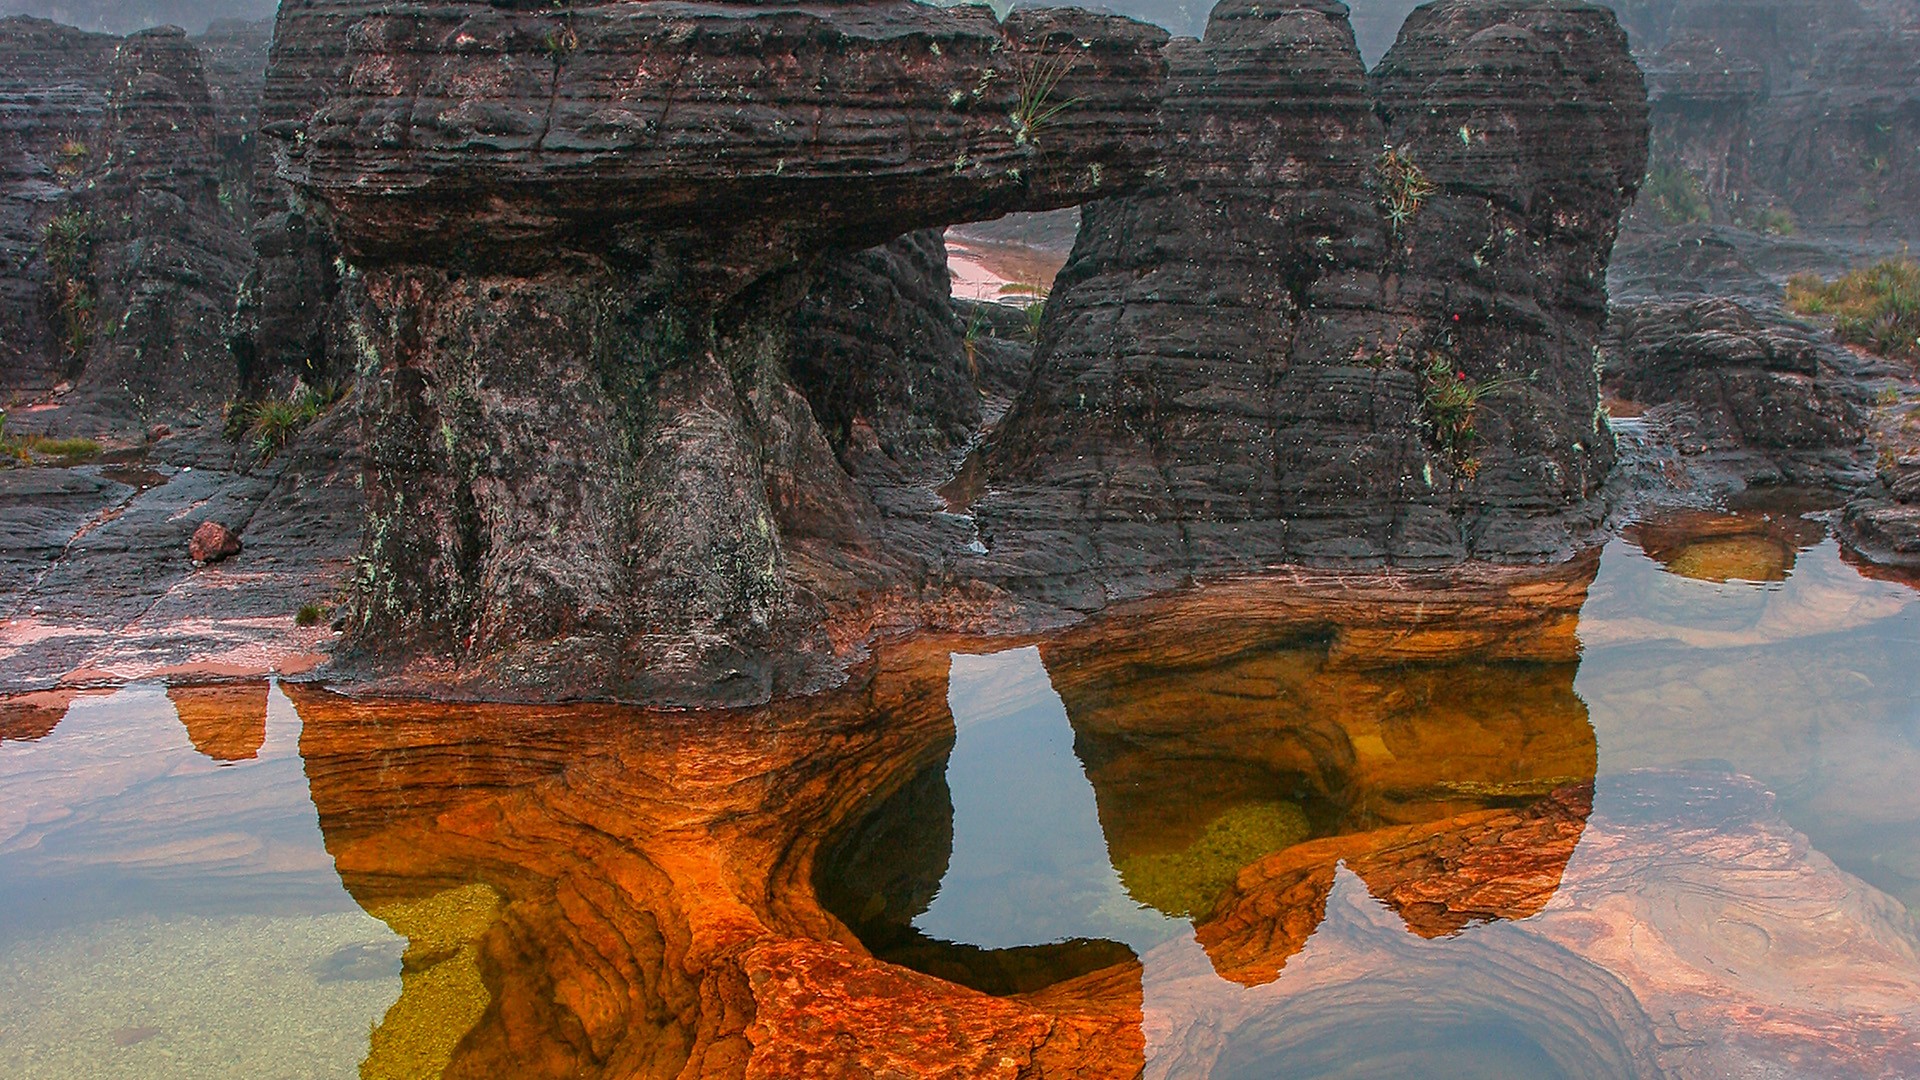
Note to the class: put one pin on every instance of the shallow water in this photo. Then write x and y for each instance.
(1651, 814)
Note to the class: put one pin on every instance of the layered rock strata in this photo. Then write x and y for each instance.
(124, 218)
(53, 87)
(581, 237)
(1301, 347)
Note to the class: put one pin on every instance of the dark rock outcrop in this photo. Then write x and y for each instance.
(1761, 399)
(125, 195)
(54, 82)
(1256, 361)
(581, 236)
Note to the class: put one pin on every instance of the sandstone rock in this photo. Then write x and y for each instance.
(1244, 365)
(620, 438)
(1759, 396)
(212, 542)
(124, 224)
(54, 82)
(590, 463)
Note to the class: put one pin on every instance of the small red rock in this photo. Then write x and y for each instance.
(212, 542)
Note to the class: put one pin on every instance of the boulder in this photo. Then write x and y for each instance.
(212, 542)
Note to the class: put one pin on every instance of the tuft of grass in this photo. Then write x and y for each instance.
(269, 424)
(1404, 188)
(1774, 221)
(970, 338)
(308, 615)
(1675, 194)
(1875, 307)
(28, 449)
(1034, 308)
(1039, 104)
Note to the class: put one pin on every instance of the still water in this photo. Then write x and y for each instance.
(1655, 813)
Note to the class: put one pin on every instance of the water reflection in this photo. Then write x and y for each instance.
(1313, 825)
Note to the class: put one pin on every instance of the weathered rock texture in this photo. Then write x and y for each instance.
(598, 265)
(1765, 400)
(1250, 362)
(581, 237)
(53, 88)
(123, 220)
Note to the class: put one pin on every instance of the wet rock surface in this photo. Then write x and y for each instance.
(96, 580)
(1747, 392)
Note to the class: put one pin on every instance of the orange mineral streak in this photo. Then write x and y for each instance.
(659, 914)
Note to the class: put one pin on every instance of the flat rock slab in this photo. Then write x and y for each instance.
(97, 584)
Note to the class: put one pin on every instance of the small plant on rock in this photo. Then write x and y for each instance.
(70, 160)
(1404, 188)
(1449, 408)
(1034, 307)
(1039, 104)
(1876, 307)
(269, 424)
(1675, 195)
(68, 246)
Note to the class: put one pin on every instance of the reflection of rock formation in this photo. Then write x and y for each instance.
(1711, 546)
(28, 717)
(1430, 739)
(1693, 935)
(226, 723)
(656, 914)
(1440, 877)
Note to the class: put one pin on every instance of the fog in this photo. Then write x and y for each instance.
(126, 16)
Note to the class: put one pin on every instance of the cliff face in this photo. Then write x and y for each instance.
(124, 200)
(53, 87)
(1784, 115)
(1303, 347)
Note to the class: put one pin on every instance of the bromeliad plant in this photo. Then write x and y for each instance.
(1449, 409)
(1404, 188)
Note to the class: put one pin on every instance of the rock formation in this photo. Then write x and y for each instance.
(124, 223)
(590, 463)
(1761, 399)
(1301, 347)
(616, 443)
